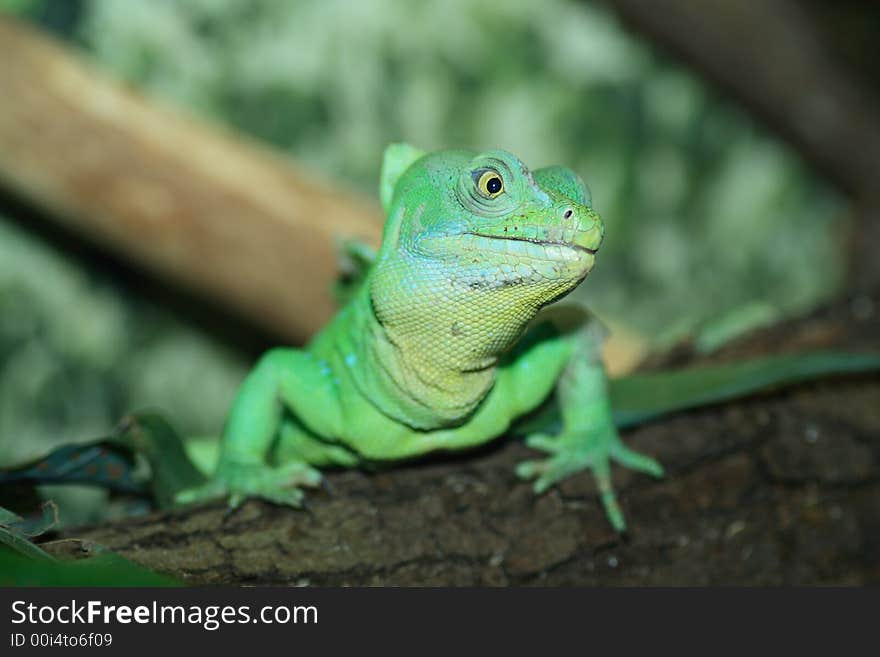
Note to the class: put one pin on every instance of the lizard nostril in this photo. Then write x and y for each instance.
(567, 213)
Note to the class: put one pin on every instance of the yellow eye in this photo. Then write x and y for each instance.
(490, 184)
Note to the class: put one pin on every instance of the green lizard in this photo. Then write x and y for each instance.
(447, 341)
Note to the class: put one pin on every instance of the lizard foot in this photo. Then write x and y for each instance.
(279, 485)
(576, 450)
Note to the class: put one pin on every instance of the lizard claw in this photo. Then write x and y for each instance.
(279, 485)
(573, 451)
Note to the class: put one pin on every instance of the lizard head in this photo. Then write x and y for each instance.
(488, 222)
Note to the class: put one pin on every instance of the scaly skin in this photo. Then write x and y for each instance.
(442, 346)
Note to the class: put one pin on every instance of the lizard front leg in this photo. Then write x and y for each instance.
(283, 379)
(589, 439)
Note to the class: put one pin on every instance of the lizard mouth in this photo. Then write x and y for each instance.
(531, 247)
(576, 247)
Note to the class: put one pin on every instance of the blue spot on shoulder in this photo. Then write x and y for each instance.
(350, 360)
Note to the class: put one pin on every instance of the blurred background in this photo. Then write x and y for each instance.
(715, 223)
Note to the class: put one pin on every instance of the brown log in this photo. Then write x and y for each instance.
(203, 208)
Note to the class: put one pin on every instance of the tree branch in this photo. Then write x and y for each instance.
(201, 207)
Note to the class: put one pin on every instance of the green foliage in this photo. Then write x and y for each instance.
(16, 532)
(103, 463)
(105, 568)
(641, 397)
(171, 470)
(78, 351)
(23, 563)
(21, 6)
(111, 462)
(704, 212)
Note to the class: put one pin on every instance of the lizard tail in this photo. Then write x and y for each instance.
(641, 397)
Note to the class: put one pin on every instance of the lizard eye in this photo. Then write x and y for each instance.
(488, 187)
(490, 184)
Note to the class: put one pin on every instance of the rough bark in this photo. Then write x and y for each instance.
(783, 488)
(203, 208)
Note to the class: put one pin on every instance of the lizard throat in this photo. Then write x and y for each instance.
(441, 328)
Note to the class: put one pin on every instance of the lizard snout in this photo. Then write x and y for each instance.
(590, 229)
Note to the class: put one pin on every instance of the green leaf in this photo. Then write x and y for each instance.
(641, 397)
(638, 398)
(110, 462)
(16, 532)
(101, 463)
(22, 563)
(21, 545)
(149, 435)
(7, 517)
(105, 568)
